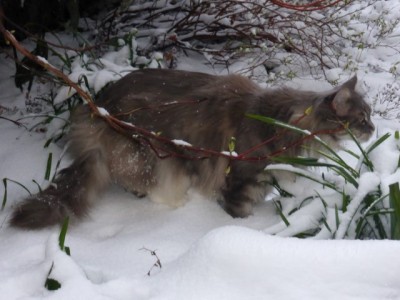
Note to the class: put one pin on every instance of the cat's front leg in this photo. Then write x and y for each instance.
(240, 195)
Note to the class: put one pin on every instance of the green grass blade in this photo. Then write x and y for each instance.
(279, 208)
(337, 219)
(304, 161)
(322, 200)
(355, 155)
(274, 122)
(48, 166)
(365, 158)
(282, 192)
(326, 224)
(345, 201)
(340, 162)
(51, 284)
(278, 123)
(377, 143)
(5, 190)
(63, 233)
(3, 204)
(302, 173)
(313, 162)
(394, 199)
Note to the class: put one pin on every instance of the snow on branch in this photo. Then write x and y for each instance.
(314, 5)
(225, 30)
(163, 147)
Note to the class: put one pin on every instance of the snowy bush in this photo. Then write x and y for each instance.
(342, 200)
(386, 102)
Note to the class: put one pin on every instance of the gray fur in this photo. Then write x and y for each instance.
(209, 110)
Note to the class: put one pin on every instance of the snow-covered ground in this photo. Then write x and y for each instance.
(131, 248)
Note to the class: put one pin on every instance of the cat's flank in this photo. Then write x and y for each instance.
(203, 110)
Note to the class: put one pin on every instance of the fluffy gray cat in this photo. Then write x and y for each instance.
(205, 111)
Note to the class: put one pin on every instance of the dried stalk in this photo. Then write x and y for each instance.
(163, 147)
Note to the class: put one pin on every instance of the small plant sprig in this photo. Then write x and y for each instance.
(157, 264)
(52, 284)
(5, 180)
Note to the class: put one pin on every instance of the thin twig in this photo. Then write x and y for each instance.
(157, 264)
(163, 147)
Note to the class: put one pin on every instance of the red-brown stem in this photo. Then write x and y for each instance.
(144, 135)
(315, 5)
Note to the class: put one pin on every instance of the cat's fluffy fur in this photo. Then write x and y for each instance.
(203, 110)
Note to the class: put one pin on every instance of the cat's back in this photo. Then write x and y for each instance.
(161, 85)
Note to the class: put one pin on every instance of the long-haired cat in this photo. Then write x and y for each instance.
(204, 110)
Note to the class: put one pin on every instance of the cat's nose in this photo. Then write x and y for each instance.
(371, 126)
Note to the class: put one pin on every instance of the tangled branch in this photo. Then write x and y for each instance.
(226, 30)
(313, 6)
(163, 147)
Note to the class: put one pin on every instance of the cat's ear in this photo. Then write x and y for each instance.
(341, 102)
(351, 83)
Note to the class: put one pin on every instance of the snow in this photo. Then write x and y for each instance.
(368, 183)
(213, 268)
(204, 253)
(103, 112)
(181, 143)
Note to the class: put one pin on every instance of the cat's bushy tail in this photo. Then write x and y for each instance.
(70, 194)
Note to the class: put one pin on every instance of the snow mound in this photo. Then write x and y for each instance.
(240, 263)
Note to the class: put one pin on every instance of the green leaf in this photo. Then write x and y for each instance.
(326, 224)
(279, 208)
(48, 142)
(355, 155)
(365, 157)
(52, 284)
(3, 204)
(282, 192)
(63, 233)
(304, 174)
(304, 161)
(377, 143)
(334, 157)
(322, 200)
(278, 123)
(333, 153)
(313, 162)
(48, 166)
(5, 190)
(232, 144)
(345, 201)
(308, 111)
(337, 217)
(394, 199)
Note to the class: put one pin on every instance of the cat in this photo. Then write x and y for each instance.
(203, 110)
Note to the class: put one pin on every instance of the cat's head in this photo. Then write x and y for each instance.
(345, 107)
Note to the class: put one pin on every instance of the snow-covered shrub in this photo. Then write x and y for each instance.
(309, 36)
(341, 199)
(386, 102)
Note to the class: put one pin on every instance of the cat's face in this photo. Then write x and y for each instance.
(350, 110)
